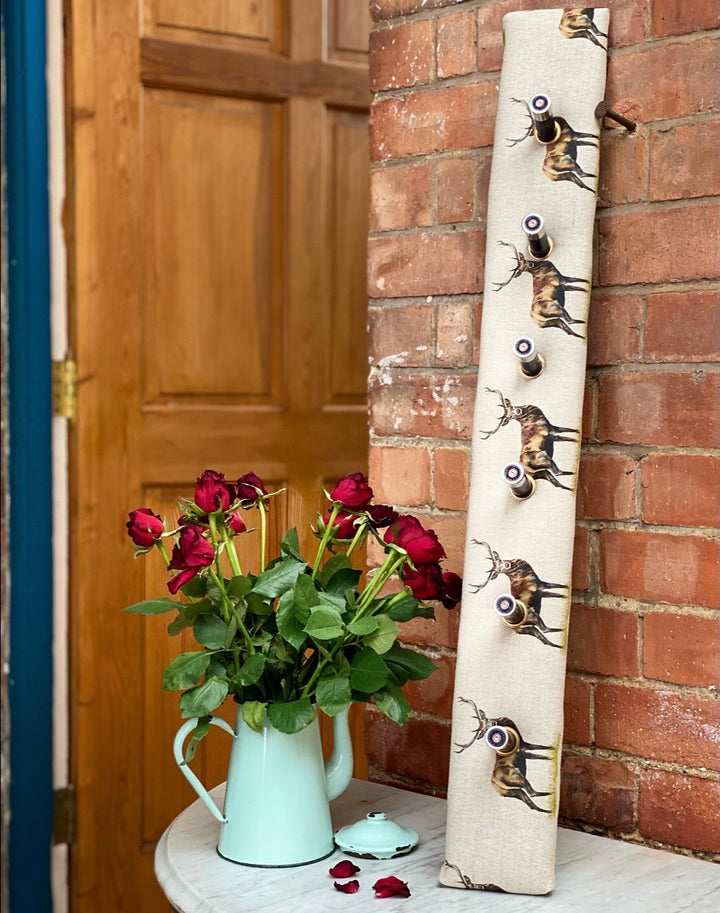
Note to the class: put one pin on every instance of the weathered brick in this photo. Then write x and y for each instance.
(400, 475)
(389, 9)
(452, 478)
(622, 167)
(400, 197)
(578, 695)
(659, 567)
(679, 810)
(419, 750)
(400, 337)
(434, 694)
(665, 725)
(683, 326)
(456, 51)
(432, 406)
(454, 332)
(606, 487)
(614, 329)
(603, 641)
(597, 791)
(437, 263)
(681, 648)
(442, 632)
(678, 17)
(681, 489)
(684, 162)
(401, 55)
(454, 189)
(581, 559)
(659, 407)
(454, 117)
(671, 80)
(642, 247)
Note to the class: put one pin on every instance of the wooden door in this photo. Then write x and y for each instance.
(217, 217)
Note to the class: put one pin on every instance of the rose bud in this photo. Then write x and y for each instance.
(453, 589)
(236, 523)
(426, 582)
(250, 488)
(353, 492)
(422, 545)
(344, 869)
(144, 527)
(382, 515)
(343, 524)
(212, 492)
(350, 887)
(391, 887)
(191, 553)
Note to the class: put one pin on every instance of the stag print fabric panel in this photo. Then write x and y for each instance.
(507, 714)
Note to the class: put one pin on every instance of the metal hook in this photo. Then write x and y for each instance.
(512, 612)
(603, 109)
(546, 129)
(531, 363)
(540, 244)
(522, 486)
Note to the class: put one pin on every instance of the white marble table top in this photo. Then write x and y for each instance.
(594, 874)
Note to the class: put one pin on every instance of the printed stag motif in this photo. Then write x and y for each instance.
(526, 587)
(578, 23)
(509, 776)
(538, 437)
(560, 163)
(549, 287)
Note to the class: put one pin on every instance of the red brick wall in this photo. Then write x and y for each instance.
(642, 737)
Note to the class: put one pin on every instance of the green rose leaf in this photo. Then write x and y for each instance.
(278, 579)
(187, 616)
(363, 626)
(331, 567)
(393, 703)
(382, 639)
(292, 615)
(252, 714)
(201, 730)
(290, 545)
(346, 578)
(210, 631)
(239, 586)
(408, 664)
(333, 600)
(305, 592)
(325, 623)
(368, 671)
(153, 607)
(195, 587)
(333, 694)
(184, 671)
(203, 699)
(408, 607)
(251, 670)
(292, 716)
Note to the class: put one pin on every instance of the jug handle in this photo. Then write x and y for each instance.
(179, 756)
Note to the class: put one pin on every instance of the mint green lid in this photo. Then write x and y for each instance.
(376, 837)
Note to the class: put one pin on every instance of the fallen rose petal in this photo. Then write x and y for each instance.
(391, 887)
(350, 887)
(344, 869)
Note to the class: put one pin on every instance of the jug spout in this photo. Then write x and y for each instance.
(339, 768)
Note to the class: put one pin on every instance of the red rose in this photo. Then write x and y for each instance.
(144, 527)
(191, 553)
(382, 515)
(344, 525)
(353, 492)
(426, 582)
(212, 492)
(236, 523)
(250, 488)
(422, 545)
(453, 589)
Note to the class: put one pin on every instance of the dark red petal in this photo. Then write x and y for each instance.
(350, 887)
(391, 887)
(344, 869)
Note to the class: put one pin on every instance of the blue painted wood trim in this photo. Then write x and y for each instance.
(30, 465)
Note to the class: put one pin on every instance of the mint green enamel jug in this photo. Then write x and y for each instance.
(276, 810)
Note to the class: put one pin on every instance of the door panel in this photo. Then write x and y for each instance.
(217, 220)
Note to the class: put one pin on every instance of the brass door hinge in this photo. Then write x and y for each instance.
(64, 388)
(64, 815)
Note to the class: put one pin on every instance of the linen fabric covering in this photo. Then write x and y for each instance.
(502, 809)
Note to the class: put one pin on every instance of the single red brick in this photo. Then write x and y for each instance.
(400, 337)
(400, 197)
(437, 263)
(678, 17)
(659, 407)
(614, 329)
(665, 725)
(581, 559)
(456, 52)
(454, 332)
(578, 696)
(659, 567)
(419, 750)
(452, 478)
(681, 648)
(433, 120)
(684, 162)
(683, 326)
(680, 810)
(671, 80)
(642, 246)
(401, 55)
(603, 641)
(454, 189)
(606, 487)
(681, 489)
(400, 475)
(389, 9)
(434, 695)
(597, 791)
(622, 168)
(433, 406)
